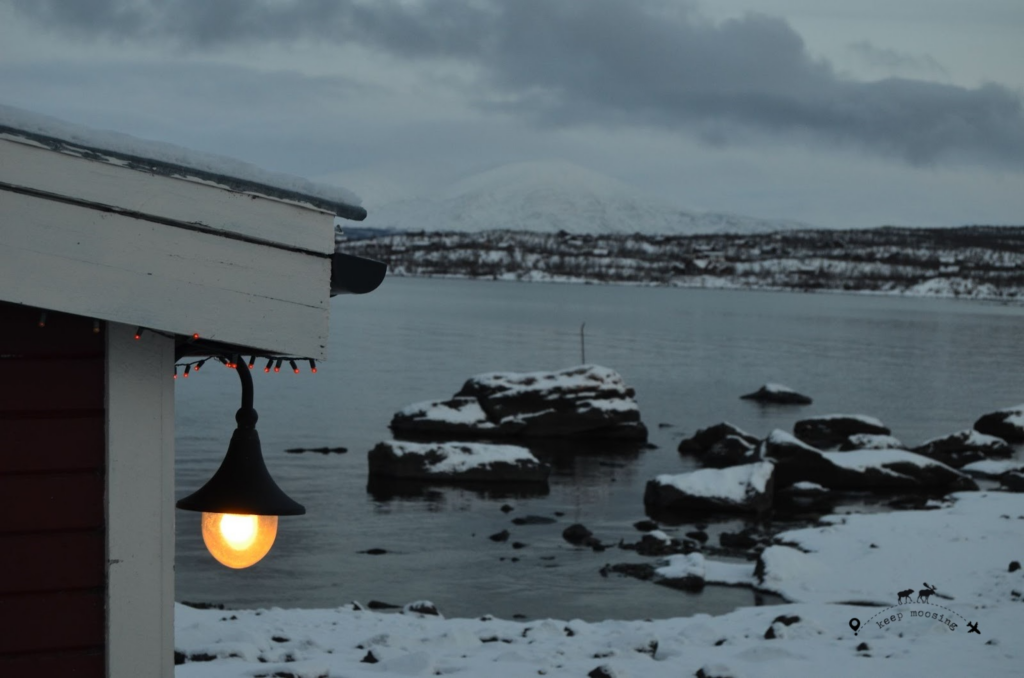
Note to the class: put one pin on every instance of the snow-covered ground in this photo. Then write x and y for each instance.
(889, 261)
(963, 549)
(553, 195)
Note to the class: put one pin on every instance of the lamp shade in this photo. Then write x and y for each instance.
(242, 484)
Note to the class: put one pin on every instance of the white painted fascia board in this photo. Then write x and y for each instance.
(140, 505)
(89, 262)
(30, 166)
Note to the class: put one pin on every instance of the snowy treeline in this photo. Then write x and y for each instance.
(977, 262)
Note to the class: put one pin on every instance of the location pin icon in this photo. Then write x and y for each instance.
(854, 624)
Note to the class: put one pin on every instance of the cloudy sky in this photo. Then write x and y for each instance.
(841, 114)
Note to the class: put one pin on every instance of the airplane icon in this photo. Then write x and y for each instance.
(974, 627)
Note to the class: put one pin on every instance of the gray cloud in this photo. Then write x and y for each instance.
(634, 62)
(895, 61)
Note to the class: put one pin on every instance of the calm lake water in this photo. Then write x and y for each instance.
(925, 367)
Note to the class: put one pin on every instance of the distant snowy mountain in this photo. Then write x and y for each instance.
(556, 196)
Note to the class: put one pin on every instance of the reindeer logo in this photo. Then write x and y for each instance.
(904, 594)
(925, 592)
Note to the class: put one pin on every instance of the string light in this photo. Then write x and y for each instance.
(138, 333)
(42, 319)
(234, 361)
(95, 326)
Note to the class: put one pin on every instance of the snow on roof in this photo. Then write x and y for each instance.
(728, 483)
(162, 158)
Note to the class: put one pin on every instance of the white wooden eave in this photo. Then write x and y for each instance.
(183, 256)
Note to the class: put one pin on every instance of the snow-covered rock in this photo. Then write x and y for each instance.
(992, 468)
(705, 438)
(455, 462)
(778, 394)
(833, 430)
(964, 447)
(588, 401)
(1007, 424)
(748, 488)
(730, 451)
(874, 470)
(457, 416)
(871, 441)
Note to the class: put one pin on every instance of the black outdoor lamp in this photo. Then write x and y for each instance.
(241, 502)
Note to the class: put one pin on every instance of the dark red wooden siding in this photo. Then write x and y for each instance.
(52, 515)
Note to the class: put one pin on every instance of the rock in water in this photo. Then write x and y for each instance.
(834, 429)
(875, 470)
(456, 462)
(777, 394)
(871, 441)
(730, 451)
(747, 488)
(704, 439)
(1007, 424)
(964, 447)
(578, 535)
(588, 401)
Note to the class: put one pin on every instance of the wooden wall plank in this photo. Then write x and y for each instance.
(30, 503)
(51, 385)
(52, 561)
(64, 335)
(52, 621)
(112, 267)
(166, 197)
(79, 664)
(54, 445)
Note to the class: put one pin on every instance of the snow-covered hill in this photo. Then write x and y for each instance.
(552, 196)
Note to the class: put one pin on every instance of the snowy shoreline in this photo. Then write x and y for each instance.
(848, 567)
(714, 284)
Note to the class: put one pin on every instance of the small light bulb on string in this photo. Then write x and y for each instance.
(187, 369)
(175, 371)
(312, 366)
(95, 326)
(200, 364)
(42, 319)
(252, 361)
(195, 335)
(295, 368)
(277, 367)
(138, 333)
(269, 364)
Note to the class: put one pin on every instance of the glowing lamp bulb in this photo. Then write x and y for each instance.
(238, 541)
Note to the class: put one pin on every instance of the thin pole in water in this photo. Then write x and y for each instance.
(583, 348)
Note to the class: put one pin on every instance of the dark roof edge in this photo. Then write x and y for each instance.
(341, 209)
